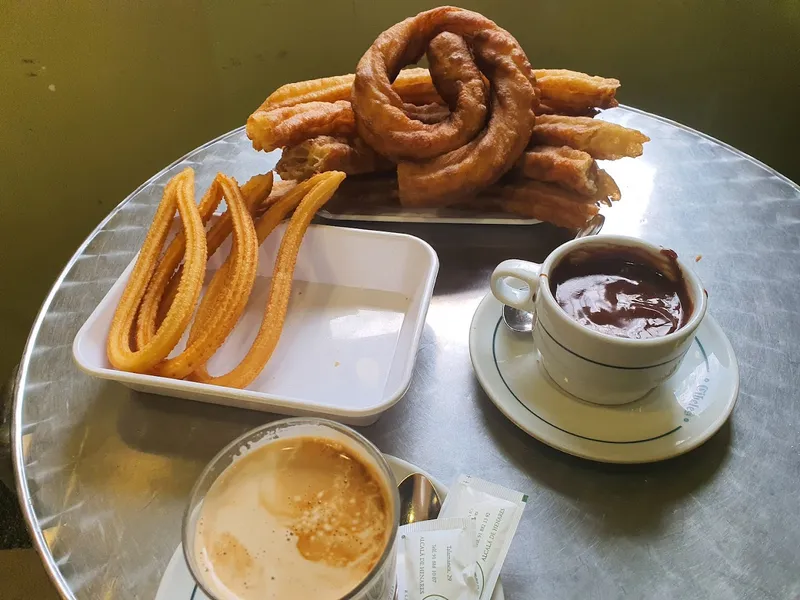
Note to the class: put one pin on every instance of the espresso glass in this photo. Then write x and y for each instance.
(379, 584)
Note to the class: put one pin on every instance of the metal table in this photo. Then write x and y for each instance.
(103, 473)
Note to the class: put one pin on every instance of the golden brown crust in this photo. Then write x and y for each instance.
(255, 191)
(164, 277)
(271, 129)
(454, 131)
(382, 120)
(265, 226)
(427, 113)
(464, 172)
(543, 201)
(179, 193)
(368, 194)
(322, 188)
(229, 301)
(453, 165)
(327, 89)
(565, 166)
(413, 85)
(569, 168)
(562, 91)
(325, 153)
(572, 92)
(601, 139)
(228, 292)
(607, 189)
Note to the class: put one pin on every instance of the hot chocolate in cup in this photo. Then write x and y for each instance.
(299, 508)
(614, 315)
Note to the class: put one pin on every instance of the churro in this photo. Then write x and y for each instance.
(164, 284)
(569, 168)
(274, 128)
(480, 115)
(573, 92)
(412, 85)
(326, 153)
(601, 139)
(179, 193)
(543, 201)
(235, 286)
(156, 284)
(323, 187)
(446, 167)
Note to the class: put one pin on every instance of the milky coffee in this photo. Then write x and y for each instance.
(299, 517)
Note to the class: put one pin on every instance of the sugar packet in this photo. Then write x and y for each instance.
(496, 511)
(437, 559)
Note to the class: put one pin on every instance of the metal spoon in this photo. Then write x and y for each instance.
(522, 321)
(418, 499)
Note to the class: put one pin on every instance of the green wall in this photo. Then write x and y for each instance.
(138, 84)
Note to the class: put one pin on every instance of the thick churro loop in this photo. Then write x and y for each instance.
(427, 113)
(381, 117)
(458, 166)
(464, 172)
(321, 188)
(231, 299)
(179, 193)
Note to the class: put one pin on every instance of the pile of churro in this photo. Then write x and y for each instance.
(163, 293)
(480, 129)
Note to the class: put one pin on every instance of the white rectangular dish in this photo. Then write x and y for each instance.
(350, 339)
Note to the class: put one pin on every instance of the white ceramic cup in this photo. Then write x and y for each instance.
(590, 365)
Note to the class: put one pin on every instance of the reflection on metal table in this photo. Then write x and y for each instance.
(104, 472)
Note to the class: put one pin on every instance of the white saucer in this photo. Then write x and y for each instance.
(177, 583)
(674, 418)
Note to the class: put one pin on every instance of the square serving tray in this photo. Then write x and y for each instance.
(347, 351)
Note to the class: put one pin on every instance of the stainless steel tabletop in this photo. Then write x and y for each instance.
(104, 472)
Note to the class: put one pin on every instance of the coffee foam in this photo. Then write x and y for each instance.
(299, 517)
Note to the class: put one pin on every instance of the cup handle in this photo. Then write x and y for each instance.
(522, 270)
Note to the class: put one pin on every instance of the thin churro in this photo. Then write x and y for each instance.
(322, 188)
(179, 193)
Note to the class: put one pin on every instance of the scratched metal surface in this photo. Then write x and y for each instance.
(104, 472)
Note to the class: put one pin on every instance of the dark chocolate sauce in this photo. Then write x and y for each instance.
(617, 293)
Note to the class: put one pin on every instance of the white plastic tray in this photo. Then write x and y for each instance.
(348, 346)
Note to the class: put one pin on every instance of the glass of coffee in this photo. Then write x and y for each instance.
(298, 508)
